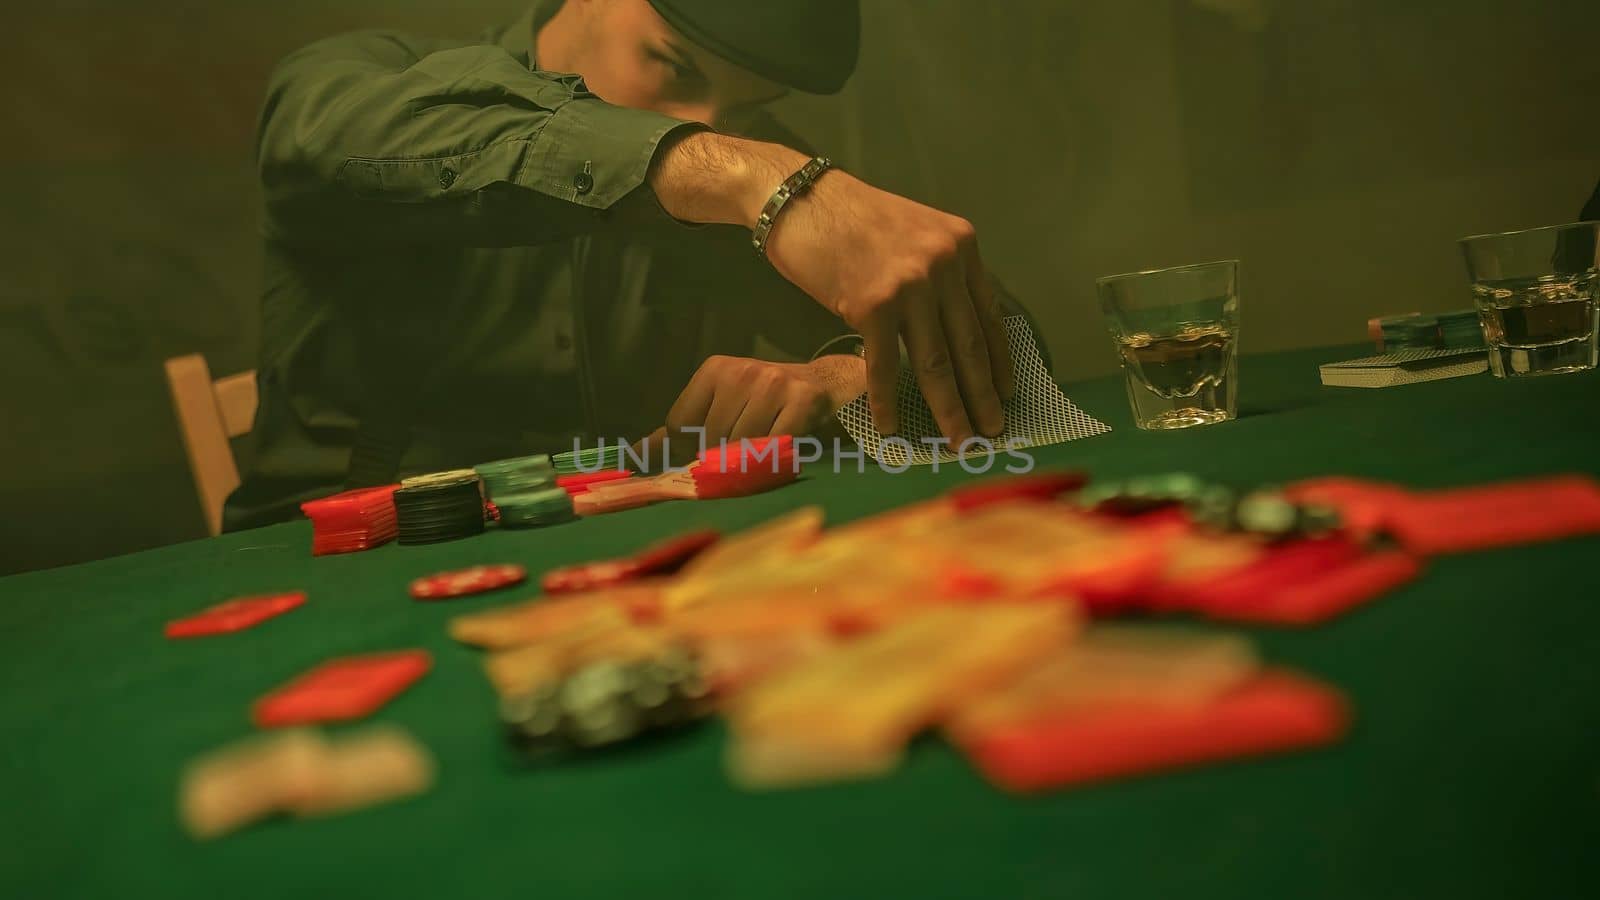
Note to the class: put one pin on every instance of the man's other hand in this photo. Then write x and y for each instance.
(733, 397)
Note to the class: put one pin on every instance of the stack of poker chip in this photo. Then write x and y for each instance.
(525, 493)
(1460, 330)
(354, 520)
(607, 703)
(505, 477)
(589, 459)
(441, 506)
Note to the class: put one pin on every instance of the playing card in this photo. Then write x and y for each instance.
(1037, 416)
(347, 688)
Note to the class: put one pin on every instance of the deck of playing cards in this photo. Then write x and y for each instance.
(1037, 416)
(1404, 367)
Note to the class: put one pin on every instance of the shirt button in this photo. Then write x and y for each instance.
(583, 182)
(563, 342)
(447, 177)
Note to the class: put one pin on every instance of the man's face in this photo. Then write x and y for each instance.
(629, 56)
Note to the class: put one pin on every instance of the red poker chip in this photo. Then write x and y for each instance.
(474, 580)
(660, 558)
(580, 482)
(1034, 486)
(235, 615)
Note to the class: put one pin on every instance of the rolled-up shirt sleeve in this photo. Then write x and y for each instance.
(370, 138)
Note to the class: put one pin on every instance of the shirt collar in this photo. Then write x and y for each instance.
(518, 39)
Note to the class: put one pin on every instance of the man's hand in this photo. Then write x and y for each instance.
(732, 397)
(889, 267)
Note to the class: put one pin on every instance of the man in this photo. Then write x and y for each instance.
(481, 250)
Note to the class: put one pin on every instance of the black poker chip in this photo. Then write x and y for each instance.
(442, 507)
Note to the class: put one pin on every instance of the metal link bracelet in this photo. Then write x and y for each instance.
(792, 187)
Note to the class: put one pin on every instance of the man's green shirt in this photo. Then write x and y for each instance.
(463, 263)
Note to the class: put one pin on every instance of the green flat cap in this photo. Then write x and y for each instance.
(808, 45)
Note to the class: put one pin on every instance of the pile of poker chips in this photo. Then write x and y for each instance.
(588, 459)
(1263, 512)
(354, 520)
(441, 506)
(606, 703)
(524, 492)
(1456, 330)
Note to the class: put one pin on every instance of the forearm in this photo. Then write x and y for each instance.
(716, 179)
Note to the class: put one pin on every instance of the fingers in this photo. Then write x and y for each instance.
(766, 403)
(691, 410)
(651, 449)
(935, 369)
(694, 403)
(992, 319)
(726, 407)
(804, 411)
(882, 338)
(970, 349)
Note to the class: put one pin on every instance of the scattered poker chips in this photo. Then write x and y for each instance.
(354, 520)
(1270, 514)
(548, 506)
(607, 703)
(1266, 513)
(514, 476)
(463, 582)
(1138, 495)
(588, 459)
(442, 506)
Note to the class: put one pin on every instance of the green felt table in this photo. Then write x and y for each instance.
(1473, 768)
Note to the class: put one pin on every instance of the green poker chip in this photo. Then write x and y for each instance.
(547, 506)
(1136, 495)
(506, 477)
(588, 459)
(1266, 513)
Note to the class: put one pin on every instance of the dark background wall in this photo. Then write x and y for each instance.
(1337, 147)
